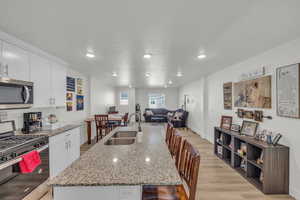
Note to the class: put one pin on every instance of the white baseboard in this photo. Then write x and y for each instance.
(295, 192)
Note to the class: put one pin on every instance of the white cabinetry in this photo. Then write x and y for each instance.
(16, 60)
(64, 150)
(40, 69)
(49, 82)
(58, 76)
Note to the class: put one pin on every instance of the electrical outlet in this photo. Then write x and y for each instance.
(3, 116)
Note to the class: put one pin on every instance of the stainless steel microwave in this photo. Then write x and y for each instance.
(15, 94)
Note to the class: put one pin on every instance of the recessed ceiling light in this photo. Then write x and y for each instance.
(147, 159)
(201, 56)
(170, 82)
(147, 74)
(90, 55)
(114, 74)
(147, 56)
(115, 160)
(179, 74)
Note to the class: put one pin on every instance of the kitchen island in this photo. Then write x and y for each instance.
(117, 171)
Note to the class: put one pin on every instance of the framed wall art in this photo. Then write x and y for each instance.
(287, 89)
(70, 84)
(258, 115)
(248, 114)
(249, 128)
(79, 102)
(226, 122)
(253, 93)
(227, 95)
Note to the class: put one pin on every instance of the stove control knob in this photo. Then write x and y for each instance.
(4, 158)
(13, 155)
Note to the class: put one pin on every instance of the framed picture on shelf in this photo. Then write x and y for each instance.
(248, 114)
(258, 115)
(249, 128)
(240, 113)
(226, 122)
(235, 127)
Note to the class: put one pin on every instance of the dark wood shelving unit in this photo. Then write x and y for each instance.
(275, 167)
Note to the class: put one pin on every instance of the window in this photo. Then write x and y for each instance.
(156, 100)
(124, 98)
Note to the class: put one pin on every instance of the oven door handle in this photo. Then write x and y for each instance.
(25, 94)
(18, 159)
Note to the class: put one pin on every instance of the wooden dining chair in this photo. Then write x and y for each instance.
(188, 170)
(125, 120)
(101, 124)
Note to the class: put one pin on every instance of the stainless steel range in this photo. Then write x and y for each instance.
(12, 147)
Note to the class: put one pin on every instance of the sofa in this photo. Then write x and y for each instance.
(156, 115)
(176, 117)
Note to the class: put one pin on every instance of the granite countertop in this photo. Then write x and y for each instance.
(54, 132)
(146, 162)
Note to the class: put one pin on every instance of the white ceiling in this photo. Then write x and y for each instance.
(173, 31)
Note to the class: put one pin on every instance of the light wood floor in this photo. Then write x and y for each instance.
(216, 179)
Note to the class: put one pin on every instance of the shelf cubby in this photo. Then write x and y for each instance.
(275, 166)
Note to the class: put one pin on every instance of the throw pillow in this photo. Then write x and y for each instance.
(178, 115)
(149, 112)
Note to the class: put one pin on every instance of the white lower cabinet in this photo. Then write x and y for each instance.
(64, 150)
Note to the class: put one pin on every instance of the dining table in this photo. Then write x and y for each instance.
(115, 118)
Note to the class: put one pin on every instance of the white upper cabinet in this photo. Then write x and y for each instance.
(40, 70)
(49, 80)
(17, 61)
(58, 76)
(2, 70)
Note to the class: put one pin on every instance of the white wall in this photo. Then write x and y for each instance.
(170, 93)
(102, 96)
(195, 107)
(289, 128)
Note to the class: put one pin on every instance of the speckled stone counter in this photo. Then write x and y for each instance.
(54, 132)
(147, 161)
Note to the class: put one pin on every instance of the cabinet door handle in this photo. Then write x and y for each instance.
(6, 69)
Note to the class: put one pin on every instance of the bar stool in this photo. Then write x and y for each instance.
(175, 147)
(188, 170)
(169, 132)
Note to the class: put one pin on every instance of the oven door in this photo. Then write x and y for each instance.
(15, 94)
(20, 185)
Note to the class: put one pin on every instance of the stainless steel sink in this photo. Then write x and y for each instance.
(125, 134)
(123, 141)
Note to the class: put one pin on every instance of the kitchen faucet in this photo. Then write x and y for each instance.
(138, 114)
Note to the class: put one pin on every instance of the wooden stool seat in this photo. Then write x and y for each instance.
(164, 193)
